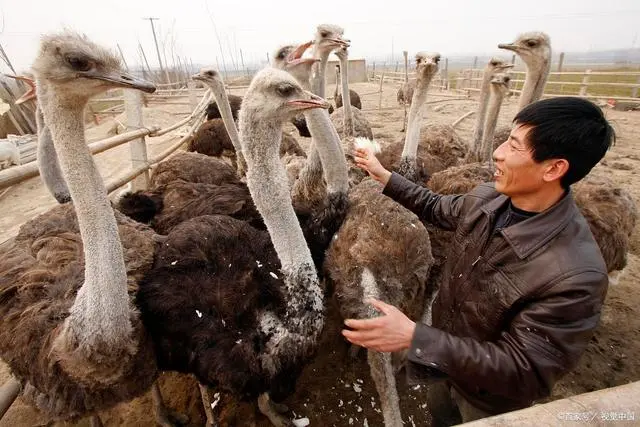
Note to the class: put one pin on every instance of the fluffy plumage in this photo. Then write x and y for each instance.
(40, 274)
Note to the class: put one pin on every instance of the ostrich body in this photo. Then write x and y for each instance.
(354, 98)
(381, 251)
(68, 328)
(240, 308)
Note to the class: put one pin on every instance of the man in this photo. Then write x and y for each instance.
(524, 281)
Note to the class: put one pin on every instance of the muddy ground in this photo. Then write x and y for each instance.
(335, 389)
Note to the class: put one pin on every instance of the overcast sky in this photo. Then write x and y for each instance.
(374, 27)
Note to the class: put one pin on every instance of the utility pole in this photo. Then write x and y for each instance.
(155, 39)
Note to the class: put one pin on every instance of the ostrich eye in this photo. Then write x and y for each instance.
(285, 90)
(507, 79)
(531, 43)
(210, 73)
(324, 34)
(494, 63)
(436, 59)
(78, 64)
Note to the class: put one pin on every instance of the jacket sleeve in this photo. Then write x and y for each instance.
(544, 342)
(439, 210)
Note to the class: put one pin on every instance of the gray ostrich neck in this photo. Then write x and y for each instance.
(346, 97)
(335, 92)
(490, 124)
(267, 182)
(412, 137)
(536, 79)
(329, 150)
(318, 86)
(476, 139)
(100, 313)
(227, 118)
(48, 164)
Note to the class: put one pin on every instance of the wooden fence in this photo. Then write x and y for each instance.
(618, 85)
(132, 104)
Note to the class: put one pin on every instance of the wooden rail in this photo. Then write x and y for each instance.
(469, 80)
(17, 174)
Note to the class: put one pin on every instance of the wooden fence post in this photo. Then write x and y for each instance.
(380, 100)
(560, 62)
(445, 83)
(475, 62)
(138, 147)
(634, 91)
(193, 99)
(585, 83)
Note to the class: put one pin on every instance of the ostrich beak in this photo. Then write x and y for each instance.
(504, 66)
(29, 94)
(124, 80)
(338, 42)
(509, 46)
(295, 57)
(313, 101)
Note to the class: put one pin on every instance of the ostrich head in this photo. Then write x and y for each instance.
(533, 47)
(278, 97)
(426, 65)
(289, 58)
(342, 53)
(329, 37)
(501, 82)
(80, 68)
(213, 79)
(495, 65)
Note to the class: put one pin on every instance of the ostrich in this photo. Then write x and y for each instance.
(499, 88)
(407, 163)
(213, 112)
(48, 164)
(534, 48)
(436, 147)
(219, 137)
(211, 139)
(327, 38)
(351, 121)
(381, 251)
(242, 309)
(68, 328)
(353, 95)
(494, 65)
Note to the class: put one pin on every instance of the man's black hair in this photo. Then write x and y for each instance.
(569, 128)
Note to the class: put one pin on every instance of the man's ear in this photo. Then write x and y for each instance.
(555, 169)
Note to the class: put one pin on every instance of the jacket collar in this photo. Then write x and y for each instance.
(529, 235)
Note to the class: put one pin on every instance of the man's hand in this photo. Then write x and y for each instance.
(366, 160)
(391, 332)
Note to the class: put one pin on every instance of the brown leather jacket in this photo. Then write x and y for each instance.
(515, 309)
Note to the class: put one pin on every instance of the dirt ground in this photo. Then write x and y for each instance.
(335, 389)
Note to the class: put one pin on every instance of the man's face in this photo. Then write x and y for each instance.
(516, 173)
